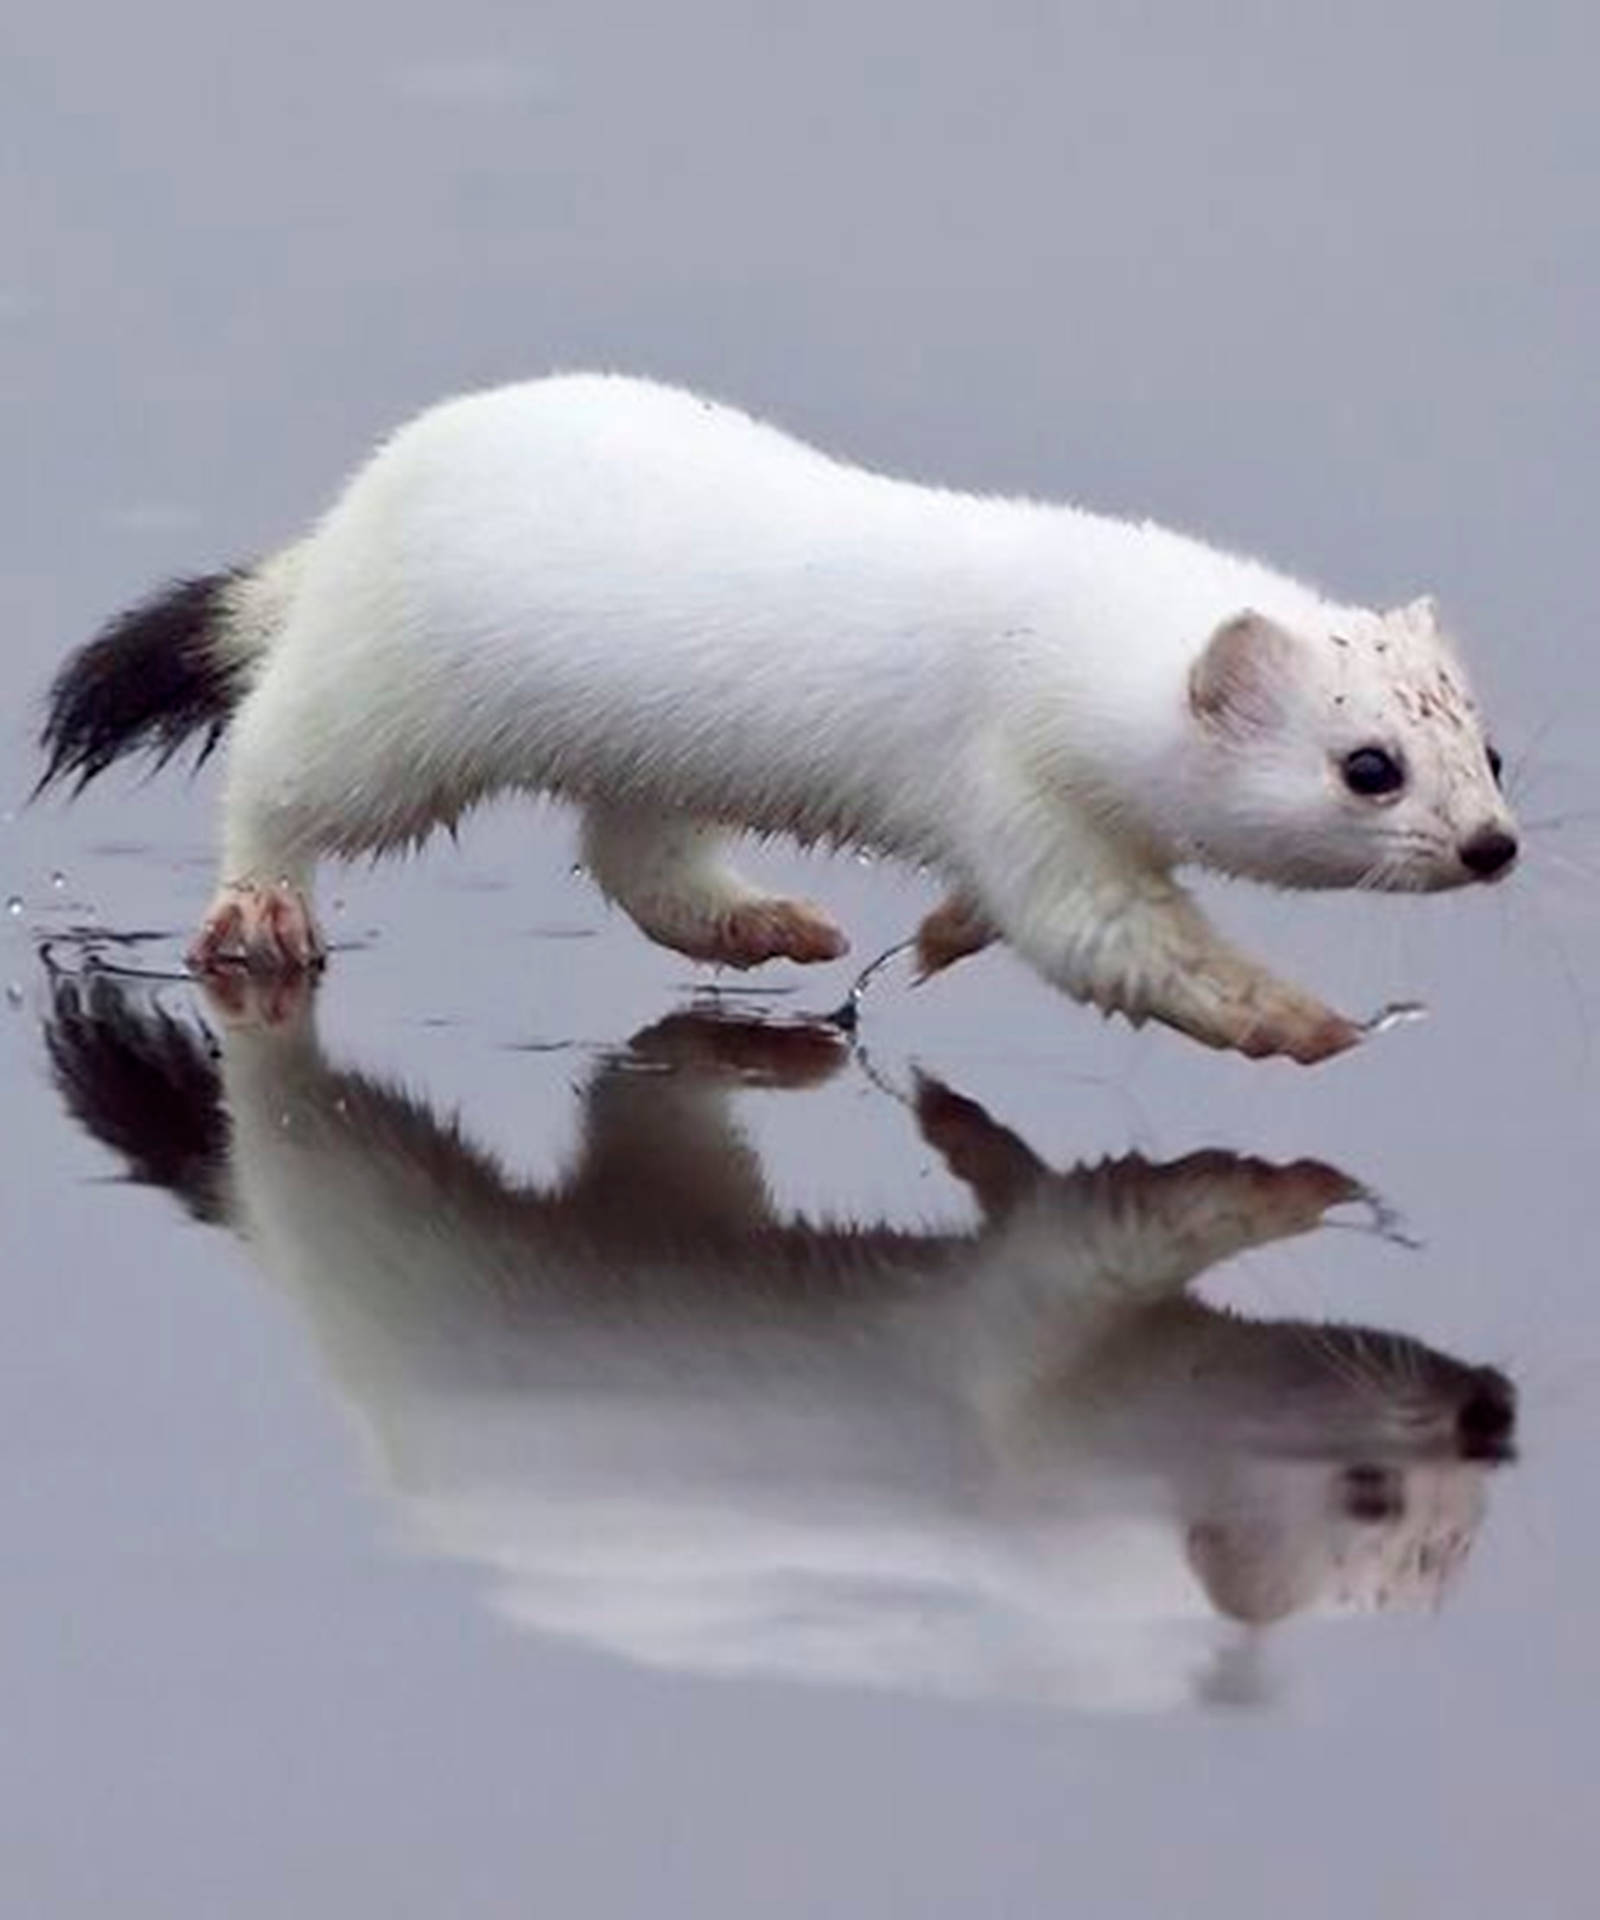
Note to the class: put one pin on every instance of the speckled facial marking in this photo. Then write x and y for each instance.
(1394, 682)
(1347, 751)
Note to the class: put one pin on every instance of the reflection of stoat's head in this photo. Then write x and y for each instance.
(966, 1458)
(1283, 1536)
(1311, 1465)
(1357, 1477)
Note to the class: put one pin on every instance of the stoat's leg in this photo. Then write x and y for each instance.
(665, 872)
(1168, 963)
(1125, 937)
(260, 916)
(281, 808)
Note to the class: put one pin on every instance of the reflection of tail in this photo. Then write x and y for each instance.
(175, 665)
(147, 1086)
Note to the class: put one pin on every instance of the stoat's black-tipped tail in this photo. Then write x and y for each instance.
(150, 679)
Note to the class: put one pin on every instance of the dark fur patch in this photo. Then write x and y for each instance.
(149, 680)
(145, 1085)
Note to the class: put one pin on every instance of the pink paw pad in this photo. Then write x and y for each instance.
(266, 929)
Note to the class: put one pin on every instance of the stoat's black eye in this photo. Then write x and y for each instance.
(1496, 764)
(1373, 770)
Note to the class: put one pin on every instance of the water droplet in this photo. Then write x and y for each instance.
(338, 903)
(58, 879)
(14, 994)
(577, 869)
(14, 906)
(341, 1105)
(863, 859)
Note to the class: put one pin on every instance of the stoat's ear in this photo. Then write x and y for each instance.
(1420, 615)
(1240, 685)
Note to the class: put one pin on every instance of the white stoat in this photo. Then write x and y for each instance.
(667, 1419)
(690, 625)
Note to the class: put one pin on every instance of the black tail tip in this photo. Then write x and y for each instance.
(149, 680)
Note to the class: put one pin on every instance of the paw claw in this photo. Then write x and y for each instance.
(1320, 1039)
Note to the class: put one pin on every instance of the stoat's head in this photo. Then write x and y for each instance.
(1349, 756)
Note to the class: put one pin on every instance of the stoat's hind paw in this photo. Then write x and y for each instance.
(754, 931)
(266, 929)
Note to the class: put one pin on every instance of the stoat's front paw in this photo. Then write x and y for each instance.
(266, 929)
(954, 929)
(1243, 1009)
(1301, 1029)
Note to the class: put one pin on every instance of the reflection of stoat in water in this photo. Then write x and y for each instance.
(692, 625)
(1020, 1459)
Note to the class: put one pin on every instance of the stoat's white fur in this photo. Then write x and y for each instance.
(690, 624)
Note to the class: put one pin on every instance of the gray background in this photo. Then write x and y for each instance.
(1316, 281)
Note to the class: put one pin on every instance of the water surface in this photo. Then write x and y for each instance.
(519, 1436)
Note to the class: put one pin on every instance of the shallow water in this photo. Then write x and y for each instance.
(525, 1433)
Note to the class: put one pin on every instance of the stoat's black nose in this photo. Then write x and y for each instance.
(1487, 1418)
(1488, 853)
